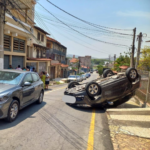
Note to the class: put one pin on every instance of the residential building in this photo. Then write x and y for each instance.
(36, 51)
(17, 34)
(85, 63)
(57, 52)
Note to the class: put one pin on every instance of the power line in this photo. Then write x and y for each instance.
(84, 20)
(84, 28)
(82, 33)
(100, 34)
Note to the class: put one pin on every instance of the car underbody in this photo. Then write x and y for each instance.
(113, 89)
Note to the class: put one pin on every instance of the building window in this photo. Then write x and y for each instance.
(7, 43)
(19, 45)
(42, 38)
(38, 36)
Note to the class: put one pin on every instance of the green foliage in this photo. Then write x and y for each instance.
(122, 60)
(98, 61)
(144, 63)
(100, 69)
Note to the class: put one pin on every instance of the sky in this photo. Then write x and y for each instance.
(117, 14)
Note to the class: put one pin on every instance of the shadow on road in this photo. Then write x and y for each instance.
(88, 109)
(23, 114)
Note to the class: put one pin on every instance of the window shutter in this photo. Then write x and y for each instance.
(7, 43)
(19, 45)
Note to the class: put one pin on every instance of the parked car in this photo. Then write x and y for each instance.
(88, 75)
(79, 78)
(104, 91)
(18, 89)
(84, 76)
(72, 78)
(91, 71)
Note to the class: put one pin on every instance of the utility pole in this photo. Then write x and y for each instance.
(139, 49)
(2, 22)
(133, 47)
(114, 59)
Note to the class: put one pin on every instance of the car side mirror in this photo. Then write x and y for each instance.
(27, 84)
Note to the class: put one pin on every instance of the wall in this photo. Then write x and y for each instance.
(39, 42)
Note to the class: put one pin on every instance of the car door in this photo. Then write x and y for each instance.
(36, 85)
(27, 91)
(116, 88)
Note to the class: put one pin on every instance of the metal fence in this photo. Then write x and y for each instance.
(143, 92)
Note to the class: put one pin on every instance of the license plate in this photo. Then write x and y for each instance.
(69, 99)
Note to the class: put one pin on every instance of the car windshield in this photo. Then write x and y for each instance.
(72, 76)
(10, 77)
(78, 76)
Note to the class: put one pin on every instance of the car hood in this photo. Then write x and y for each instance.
(71, 78)
(6, 87)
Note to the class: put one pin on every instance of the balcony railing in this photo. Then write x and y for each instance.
(59, 52)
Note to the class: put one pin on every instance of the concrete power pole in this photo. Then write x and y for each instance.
(139, 48)
(133, 47)
(2, 21)
(114, 59)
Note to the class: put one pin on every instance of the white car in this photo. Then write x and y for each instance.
(72, 78)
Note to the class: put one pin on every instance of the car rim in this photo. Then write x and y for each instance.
(14, 111)
(41, 97)
(133, 74)
(93, 89)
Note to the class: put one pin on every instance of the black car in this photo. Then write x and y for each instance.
(104, 91)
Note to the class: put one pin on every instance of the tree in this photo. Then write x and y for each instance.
(144, 63)
(122, 60)
(100, 69)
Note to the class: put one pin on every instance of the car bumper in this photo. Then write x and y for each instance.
(74, 98)
(4, 110)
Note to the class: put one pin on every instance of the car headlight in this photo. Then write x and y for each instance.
(4, 98)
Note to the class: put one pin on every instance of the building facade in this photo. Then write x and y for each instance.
(17, 34)
(36, 51)
(57, 52)
(85, 63)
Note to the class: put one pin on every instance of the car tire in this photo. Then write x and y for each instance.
(13, 111)
(131, 74)
(40, 100)
(107, 73)
(72, 84)
(93, 89)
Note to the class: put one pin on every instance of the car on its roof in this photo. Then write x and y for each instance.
(18, 89)
(103, 91)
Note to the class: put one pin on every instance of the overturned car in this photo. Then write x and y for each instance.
(103, 91)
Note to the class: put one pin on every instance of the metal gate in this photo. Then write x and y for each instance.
(6, 61)
(17, 60)
(42, 66)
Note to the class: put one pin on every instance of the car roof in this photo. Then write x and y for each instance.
(16, 71)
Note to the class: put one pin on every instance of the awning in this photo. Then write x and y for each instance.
(64, 66)
(39, 59)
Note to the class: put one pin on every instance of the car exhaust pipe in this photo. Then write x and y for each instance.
(110, 103)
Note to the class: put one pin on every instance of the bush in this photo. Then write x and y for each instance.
(100, 69)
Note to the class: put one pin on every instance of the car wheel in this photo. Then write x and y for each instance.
(13, 111)
(108, 73)
(72, 84)
(40, 100)
(93, 89)
(132, 74)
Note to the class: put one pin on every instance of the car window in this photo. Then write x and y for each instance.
(10, 77)
(28, 78)
(35, 77)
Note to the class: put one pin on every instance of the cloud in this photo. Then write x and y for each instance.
(134, 14)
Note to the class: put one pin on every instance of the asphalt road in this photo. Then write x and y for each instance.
(53, 125)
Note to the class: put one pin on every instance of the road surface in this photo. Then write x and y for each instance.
(53, 125)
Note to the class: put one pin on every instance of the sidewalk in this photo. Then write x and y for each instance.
(129, 126)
